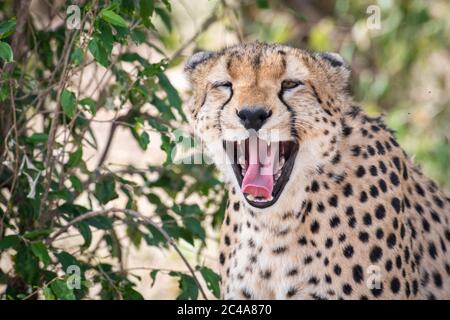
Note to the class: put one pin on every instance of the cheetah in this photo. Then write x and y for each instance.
(340, 211)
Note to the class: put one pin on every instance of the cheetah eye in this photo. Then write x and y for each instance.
(290, 84)
(222, 84)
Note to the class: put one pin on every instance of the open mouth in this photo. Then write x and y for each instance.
(262, 167)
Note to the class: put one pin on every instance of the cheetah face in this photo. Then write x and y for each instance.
(255, 108)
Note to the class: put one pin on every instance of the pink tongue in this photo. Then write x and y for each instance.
(258, 180)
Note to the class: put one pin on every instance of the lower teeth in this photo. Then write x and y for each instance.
(253, 198)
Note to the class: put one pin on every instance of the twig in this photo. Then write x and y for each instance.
(112, 131)
(48, 164)
(139, 216)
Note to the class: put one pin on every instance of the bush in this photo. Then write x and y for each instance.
(47, 187)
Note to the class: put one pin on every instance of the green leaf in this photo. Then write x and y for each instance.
(153, 274)
(167, 4)
(75, 158)
(100, 222)
(48, 294)
(4, 91)
(146, 10)
(40, 251)
(61, 290)
(138, 36)
(262, 4)
(67, 260)
(76, 183)
(90, 104)
(152, 69)
(68, 103)
(105, 190)
(98, 52)
(172, 94)
(26, 264)
(155, 237)
(165, 17)
(194, 226)
(6, 52)
(11, 241)
(113, 18)
(7, 28)
(167, 146)
(157, 125)
(36, 234)
(131, 294)
(85, 231)
(163, 108)
(37, 138)
(77, 56)
(212, 280)
(144, 140)
(106, 37)
(187, 285)
(188, 210)
(139, 134)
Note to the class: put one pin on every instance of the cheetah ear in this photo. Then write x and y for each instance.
(340, 69)
(197, 59)
(333, 58)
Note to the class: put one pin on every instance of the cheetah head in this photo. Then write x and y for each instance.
(264, 114)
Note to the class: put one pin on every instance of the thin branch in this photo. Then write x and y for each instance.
(112, 131)
(48, 164)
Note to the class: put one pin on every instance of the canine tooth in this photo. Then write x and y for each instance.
(269, 198)
(277, 175)
(250, 197)
(282, 161)
(268, 143)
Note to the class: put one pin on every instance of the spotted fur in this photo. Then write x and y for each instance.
(355, 209)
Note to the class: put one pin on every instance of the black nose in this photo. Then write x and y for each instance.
(253, 118)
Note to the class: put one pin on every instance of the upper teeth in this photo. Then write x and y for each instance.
(279, 165)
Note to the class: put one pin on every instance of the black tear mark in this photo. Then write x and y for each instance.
(219, 115)
(195, 114)
(292, 114)
(316, 94)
